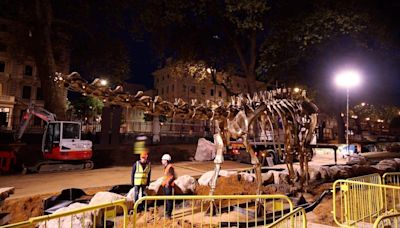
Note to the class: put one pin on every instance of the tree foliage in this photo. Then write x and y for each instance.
(224, 34)
(87, 107)
(49, 30)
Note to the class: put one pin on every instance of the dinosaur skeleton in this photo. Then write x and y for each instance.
(296, 113)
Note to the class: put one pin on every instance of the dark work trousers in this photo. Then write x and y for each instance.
(169, 205)
(137, 189)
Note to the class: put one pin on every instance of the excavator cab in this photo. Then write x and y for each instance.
(62, 141)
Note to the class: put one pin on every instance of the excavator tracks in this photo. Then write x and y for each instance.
(58, 166)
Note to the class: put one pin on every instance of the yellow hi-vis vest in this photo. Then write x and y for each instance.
(140, 174)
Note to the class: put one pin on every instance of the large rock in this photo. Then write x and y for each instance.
(360, 170)
(325, 174)
(314, 175)
(267, 178)
(340, 172)
(386, 165)
(105, 197)
(389, 162)
(154, 187)
(205, 150)
(280, 177)
(206, 177)
(227, 173)
(78, 220)
(356, 159)
(249, 177)
(397, 160)
(185, 184)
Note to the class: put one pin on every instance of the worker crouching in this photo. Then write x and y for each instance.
(141, 172)
(168, 182)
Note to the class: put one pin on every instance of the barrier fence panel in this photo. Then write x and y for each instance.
(361, 202)
(390, 220)
(112, 214)
(391, 178)
(295, 219)
(211, 211)
(374, 178)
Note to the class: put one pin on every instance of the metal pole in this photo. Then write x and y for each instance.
(347, 121)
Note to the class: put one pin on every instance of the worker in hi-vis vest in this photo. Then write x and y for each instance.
(141, 172)
(168, 182)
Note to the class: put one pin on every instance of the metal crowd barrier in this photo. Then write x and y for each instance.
(106, 215)
(295, 219)
(196, 211)
(374, 178)
(392, 178)
(390, 220)
(357, 202)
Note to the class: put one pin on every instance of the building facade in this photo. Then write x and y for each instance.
(187, 88)
(19, 82)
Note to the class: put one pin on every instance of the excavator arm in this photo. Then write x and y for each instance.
(33, 111)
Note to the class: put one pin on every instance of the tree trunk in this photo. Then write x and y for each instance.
(251, 82)
(54, 96)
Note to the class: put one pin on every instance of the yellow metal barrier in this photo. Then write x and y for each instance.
(361, 202)
(296, 218)
(195, 211)
(391, 178)
(391, 220)
(374, 178)
(90, 217)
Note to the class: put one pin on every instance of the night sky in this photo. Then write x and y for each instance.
(380, 74)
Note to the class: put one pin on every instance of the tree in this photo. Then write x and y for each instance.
(224, 34)
(51, 29)
(88, 107)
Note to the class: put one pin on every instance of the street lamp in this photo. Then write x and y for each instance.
(347, 79)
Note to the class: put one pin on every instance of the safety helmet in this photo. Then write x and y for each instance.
(144, 154)
(166, 157)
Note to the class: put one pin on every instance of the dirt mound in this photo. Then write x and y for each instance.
(24, 208)
(229, 186)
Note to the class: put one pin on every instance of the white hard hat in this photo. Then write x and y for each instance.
(166, 157)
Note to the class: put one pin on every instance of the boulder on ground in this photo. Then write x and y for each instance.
(314, 175)
(154, 187)
(105, 197)
(206, 178)
(280, 177)
(356, 159)
(267, 178)
(249, 177)
(389, 162)
(185, 184)
(227, 173)
(325, 174)
(205, 150)
(77, 220)
(360, 170)
(397, 160)
(386, 165)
